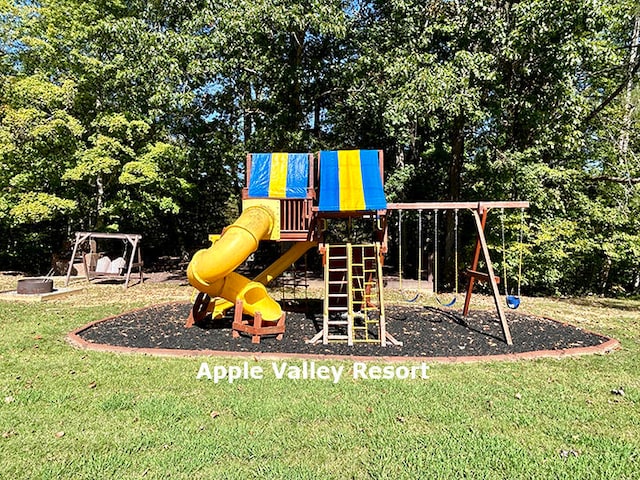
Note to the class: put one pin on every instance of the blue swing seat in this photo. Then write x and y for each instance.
(449, 304)
(412, 300)
(513, 301)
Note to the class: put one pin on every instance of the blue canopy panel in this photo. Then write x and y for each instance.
(350, 181)
(279, 175)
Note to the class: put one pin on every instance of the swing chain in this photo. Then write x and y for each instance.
(419, 249)
(520, 257)
(435, 261)
(400, 248)
(504, 253)
(435, 251)
(455, 248)
(400, 272)
(520, 247)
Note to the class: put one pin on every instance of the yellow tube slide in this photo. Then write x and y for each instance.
(211, 270)
(218, 308)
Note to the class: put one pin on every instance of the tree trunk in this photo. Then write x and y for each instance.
(293, 92)
(623, 143)
(99, 200)
(247, 120)
(455, 187)
(457, 157)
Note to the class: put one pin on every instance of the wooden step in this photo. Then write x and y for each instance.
(483, 277)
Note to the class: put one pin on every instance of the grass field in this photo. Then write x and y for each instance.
(68, 413)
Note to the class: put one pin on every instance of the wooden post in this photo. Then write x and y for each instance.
(474, 264)
(492, 278)
(256, 328)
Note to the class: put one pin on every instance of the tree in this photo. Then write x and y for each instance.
(128, 75)
(138, 115)
(38, 136)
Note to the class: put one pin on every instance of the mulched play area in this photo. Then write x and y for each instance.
(424, 331)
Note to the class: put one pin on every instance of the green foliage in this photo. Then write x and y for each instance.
(32, 208)
(130, 173)
(138, 115)
(38, 136)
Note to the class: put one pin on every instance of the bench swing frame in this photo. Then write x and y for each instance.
(134, 261)
(480, 211)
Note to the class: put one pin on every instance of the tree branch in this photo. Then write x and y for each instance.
(608, 178)
(613, 94)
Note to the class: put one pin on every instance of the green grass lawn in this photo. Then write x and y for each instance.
(69, 413)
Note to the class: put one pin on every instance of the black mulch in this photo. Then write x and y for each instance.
(425, 331)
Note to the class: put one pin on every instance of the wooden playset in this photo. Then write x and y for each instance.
(299, 198)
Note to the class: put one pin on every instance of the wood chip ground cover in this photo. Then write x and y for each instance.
(424, 331)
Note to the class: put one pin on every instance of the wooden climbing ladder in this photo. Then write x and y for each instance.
(353, 309)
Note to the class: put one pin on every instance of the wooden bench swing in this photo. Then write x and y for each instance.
(90, 260)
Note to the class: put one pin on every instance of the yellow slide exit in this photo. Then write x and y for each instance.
(211, 270)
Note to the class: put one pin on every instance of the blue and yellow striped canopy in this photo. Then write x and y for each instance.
(350, 181)
(279, 175)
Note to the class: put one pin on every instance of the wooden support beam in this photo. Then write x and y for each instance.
(492, 277)
(483, 277)
(479, 206)
(256, 328)
(474, 264)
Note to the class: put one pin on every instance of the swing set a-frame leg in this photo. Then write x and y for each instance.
(474, 264)
(481, 245)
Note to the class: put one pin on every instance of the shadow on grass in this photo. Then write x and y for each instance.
(601, 302)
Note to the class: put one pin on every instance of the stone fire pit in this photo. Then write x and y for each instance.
(30, 286)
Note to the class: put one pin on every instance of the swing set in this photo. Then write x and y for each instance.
(480, 211)
(513, 301)
(436, 242)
